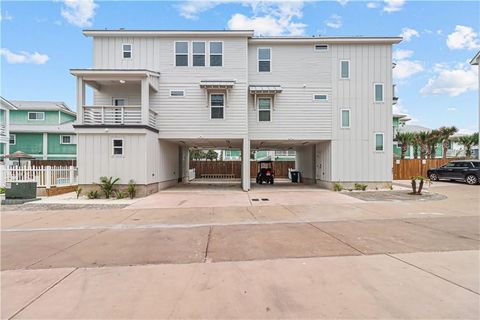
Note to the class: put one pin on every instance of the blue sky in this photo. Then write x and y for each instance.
(42, 40)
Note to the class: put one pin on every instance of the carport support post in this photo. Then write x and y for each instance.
(246, 164)
(145, 100)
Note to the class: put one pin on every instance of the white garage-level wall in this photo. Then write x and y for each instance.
(305, 162)
(323, 161)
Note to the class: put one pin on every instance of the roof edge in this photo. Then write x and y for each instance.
(122, 32)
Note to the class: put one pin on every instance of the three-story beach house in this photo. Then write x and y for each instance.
(157, 94)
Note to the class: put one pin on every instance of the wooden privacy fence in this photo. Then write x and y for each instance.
(233, 169)
(49, 176)
(407, 168)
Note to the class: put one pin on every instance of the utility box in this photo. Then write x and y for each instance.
(21, 190)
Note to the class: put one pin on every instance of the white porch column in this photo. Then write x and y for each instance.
(45, 146)
(246, 164)
(145, 101)
(80, 99)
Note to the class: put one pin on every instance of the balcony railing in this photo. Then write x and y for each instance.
(3, 130)
(117, 115)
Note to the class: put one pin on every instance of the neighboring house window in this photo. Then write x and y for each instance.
(13, 139)
(181, 54)
(117, 146)
(344, 69)
(217, 105)
(36, 116)
(321, 47)
(378, 92)
(118, 102)
(345, 118)
(216, 54)
(379, 141)
(127, 51)
(264, 109)
(198, 54)
(264, 59)
(67, 139)
(177, 93)
(320, 97)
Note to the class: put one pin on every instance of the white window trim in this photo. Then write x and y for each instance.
(216, 54)
(204, 54)
(210, 105)
(375, 142)
(319, 94)
(180, 90)
(72, 139)
(258, 108)
(320, 44)
(374, 92)
(14, 139)
(39, 112)
(258, 59)
(342, 78)
(113, 148)
(175, 54)
(131, 51)
(349, 118)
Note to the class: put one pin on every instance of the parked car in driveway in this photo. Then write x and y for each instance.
(461, 170)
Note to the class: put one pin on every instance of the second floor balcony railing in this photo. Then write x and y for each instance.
(3, 129)
(117, 115)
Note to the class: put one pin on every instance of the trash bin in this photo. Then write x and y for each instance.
(295, 176)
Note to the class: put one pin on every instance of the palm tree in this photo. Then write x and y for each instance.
(445, 133)
(422, 140)
(416, 145)
(405, 139)
(433, 140)
(468, 142)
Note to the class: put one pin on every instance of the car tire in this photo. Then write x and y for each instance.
(433, 176)
(471, 179)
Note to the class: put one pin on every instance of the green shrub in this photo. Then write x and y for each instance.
(337, 187)
(359, 186)
(78, 191)
(106, 185)
(2, 190)
(93, 194)
(119, 194)
(131, 189)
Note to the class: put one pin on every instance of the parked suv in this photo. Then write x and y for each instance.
(463, 170)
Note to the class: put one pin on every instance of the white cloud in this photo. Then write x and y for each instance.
(191, 9)
(463, 38)
(342, 2)
(408, 33)
(23, 57)
(393, 5)
(407, 68)
(451, 109)
(335, 21)
(271, 18)
(372, 5)
(401, 54)
(79, 12)
(5, 16)
(452, 81)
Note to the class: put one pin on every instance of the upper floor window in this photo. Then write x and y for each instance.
(36, 116)
(217, 105)
(264, 59)
(378, 91)
(181, 54)
(264, 109)
(320, 97)
(199, 54)
(117, 147)
(177, 93)
(379, 141)
(216, 54)
(321, 47)
(345, 118)
(67, 139)
(118, 102)
(127, 51)
(13, 139)
(344, 69)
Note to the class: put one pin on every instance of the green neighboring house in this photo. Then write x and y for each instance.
(43, 129)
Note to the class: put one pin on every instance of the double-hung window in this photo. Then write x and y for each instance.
(216, 54)
(117, 147)
(67, 139)
(379, 92)
(36, 116)
(198, 54)
(181, 54)
(264, 59)
(345, 118)
(12, 139)
(344, 69)
(126, 51)
(217, 105)
(379, 141)
(264, 109)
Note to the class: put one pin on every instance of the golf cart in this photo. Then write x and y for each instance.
(265, 172)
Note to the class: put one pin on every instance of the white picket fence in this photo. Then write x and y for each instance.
(45, 176)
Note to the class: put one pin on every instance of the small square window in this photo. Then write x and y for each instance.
(66, 139)
(127, 51)
(13, 139)
(117, 147)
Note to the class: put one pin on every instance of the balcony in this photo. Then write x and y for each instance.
(117, 115)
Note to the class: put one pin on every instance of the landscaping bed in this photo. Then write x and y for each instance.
(395, 195)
